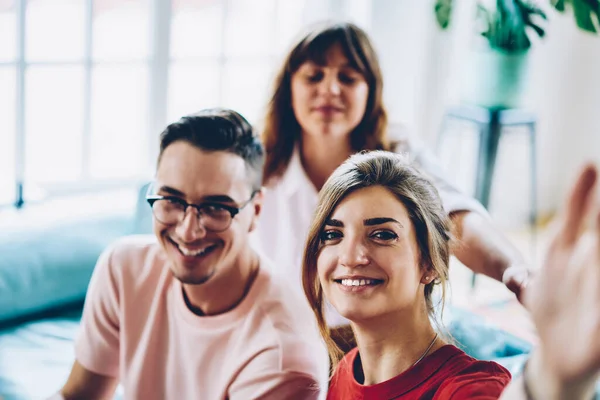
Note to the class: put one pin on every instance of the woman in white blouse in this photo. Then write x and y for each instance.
(325, 106)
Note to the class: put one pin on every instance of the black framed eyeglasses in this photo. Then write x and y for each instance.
(214, 217)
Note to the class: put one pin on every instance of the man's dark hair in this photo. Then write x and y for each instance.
(219, 129)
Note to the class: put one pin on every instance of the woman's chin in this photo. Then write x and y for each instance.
(329, 130)
(357, 315)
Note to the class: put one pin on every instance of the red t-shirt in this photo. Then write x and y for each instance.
(448, 373)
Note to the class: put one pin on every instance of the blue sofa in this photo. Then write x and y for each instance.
(44, 274)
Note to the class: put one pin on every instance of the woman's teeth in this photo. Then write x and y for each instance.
(358, 282)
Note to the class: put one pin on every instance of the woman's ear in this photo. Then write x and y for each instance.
(429, 275)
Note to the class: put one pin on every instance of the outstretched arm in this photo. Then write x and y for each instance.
(563, 300)
(84, 384)
(483, 248)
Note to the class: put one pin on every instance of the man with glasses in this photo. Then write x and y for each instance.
(195, 313)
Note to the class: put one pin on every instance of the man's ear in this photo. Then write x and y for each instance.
(257, 203)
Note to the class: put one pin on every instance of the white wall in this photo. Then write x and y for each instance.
(567, 96)
(401, 31)
(422, 67)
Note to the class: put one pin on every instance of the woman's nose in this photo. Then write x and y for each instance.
(354, 254)
(330, 85)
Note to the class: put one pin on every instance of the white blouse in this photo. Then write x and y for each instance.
(289, 206)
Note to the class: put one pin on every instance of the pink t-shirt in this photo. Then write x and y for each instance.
(136, 327)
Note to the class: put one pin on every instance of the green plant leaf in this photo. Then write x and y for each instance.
(558, 4)
(443, 11)
(510, 24)
(587, 12)
(485, 16)
(529, 12)
(538, 29)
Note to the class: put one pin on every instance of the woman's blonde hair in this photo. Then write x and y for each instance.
(417, 194)
(281, 129)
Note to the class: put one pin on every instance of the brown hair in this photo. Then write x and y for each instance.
(219, 129)
(281, 129)
(419, 196)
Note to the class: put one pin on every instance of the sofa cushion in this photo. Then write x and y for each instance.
(49, 266)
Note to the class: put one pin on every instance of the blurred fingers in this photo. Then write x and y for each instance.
(577, 206)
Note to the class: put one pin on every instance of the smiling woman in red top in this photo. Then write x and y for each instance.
(377, 247)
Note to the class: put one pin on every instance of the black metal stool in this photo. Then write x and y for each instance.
(490, 123)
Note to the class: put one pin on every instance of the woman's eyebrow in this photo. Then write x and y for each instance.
(334, 222)
(380, 220)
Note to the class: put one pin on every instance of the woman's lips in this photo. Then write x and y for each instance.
(328, 109)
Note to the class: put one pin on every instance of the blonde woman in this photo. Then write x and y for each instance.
(378, 246)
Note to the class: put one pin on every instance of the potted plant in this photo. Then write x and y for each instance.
(497, 71)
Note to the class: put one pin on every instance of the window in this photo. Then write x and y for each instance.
(46, 40)
(53, 123)
(225, 53)
(8, 31)
(119, 89)
(8, 99)
(7, 133)
(74, 98)
(87, 85)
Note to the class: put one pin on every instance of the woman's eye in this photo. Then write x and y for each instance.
(315, 77)
(345, 78)
(384, 235)
(330, 235)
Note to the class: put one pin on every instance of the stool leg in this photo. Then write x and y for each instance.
(488, 149)
(487, 164)
(473, 280)
(482, 161)
(484, 135)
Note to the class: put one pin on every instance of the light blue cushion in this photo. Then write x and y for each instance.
(46, 267)
(40, 352)
(36, 357)
(485, 341)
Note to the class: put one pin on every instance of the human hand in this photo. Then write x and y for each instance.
(516, 278)
(564, 297)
